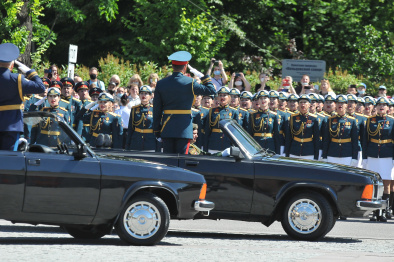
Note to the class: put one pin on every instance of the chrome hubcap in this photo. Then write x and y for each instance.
(304, 216)
(142, 220)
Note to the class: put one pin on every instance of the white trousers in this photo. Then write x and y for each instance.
(383, 166)
(340, 160)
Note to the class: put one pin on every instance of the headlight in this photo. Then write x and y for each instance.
(368, 192)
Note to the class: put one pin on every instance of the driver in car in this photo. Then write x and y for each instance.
(195, 150)
(47, 132)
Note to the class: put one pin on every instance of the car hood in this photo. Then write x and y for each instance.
(127, 158)
(313, 164)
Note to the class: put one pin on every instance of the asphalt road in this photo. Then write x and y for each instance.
(204, 240)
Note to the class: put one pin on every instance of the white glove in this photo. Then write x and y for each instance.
(159, 139)
(195, 71)
(95, 107)
(41, 101)
(90, 105)
(22, 67)
(22, 140)
(226, 152)
(365, 163)
(354, 162)
(324, 160)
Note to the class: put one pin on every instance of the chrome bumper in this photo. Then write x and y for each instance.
(372, 204)
(203, 205)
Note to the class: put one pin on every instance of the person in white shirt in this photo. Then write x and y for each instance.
(124, 113)
(219, 78)
(133, 98)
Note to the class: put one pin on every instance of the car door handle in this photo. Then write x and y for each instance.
(35, 162)
(191, 163)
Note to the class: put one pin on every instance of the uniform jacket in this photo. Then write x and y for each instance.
(11, 99)
(340, 137)
(140, 130)
(177, 92)
(214, 138)
(302, 136)
(378, 137)
(264, 128)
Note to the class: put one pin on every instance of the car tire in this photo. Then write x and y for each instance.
(144, 220)
(308, 216)
(87, 232)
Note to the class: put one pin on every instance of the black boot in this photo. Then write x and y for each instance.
(382, 217)
(374, 216)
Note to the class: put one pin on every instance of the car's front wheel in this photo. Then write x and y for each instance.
(307, 216)
(88, 232)
(144, 220)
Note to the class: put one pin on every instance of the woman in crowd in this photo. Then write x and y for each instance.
(152, 81)
(133, 98)
(239, 81)
(378, 150)
(263, 77)
(105, 127)
(325, 88)
(135, 80)
(140, 125)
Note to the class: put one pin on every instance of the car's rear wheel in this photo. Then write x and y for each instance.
(308, 216)
(144, 220)
(88, 232)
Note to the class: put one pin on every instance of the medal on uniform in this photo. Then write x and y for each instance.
(229, 114)
(309, 121)
(216, 111)
(373, 120)
(107, 119)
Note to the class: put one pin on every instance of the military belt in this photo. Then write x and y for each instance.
(303, 140)
(95, 134)
(86, 124)
(50, 133)
(281, 132)
(378, 141)
(217, 130)
(144, 131)
(177, 112)
(11, 107)
(263, 134)
(340, 141)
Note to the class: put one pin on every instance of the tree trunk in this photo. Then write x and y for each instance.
(25, 20)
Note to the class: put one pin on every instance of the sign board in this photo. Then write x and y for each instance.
(70, 70)
(72, 54)
(315, 69)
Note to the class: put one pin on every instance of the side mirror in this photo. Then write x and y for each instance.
(236, 153)
(80, 152)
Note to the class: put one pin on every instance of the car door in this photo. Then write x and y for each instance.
(58, 184)
(12, 182)
(229, 182)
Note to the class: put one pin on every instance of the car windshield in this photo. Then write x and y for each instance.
(46, 130)
(245, 141)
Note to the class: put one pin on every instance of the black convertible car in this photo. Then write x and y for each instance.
(69, 185)
(256, 185)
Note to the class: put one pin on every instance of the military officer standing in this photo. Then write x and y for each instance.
(360, 105)
(320, 118)
(75, 104)
(243, 114)
(214, 139)
(264, 124)
(369, 105)
(105, 127)
(302, 136)
(140, 133)
(292, 103)
(283, 118)
(47, 132)
(82, 88)
(329, 105)
(12, 88)
(378, 149)
(340, 136)
(174, 95)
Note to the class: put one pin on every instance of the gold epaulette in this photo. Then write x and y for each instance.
(195, 110)
(273, 112)
(390, 116)
(233, 108)
(65, 101)
(358, 114)
(243, 109)
(205, 107)
(136, 106)
(351, 117)
(42, 109)
(312, 115)
(320, 115)
(252, 111)
(294, 113)
(62, 108)
(282, 111)
(37, 96)
(332, 116)
(25, 98)
(371, 116)
(116, 115)
(76, 99)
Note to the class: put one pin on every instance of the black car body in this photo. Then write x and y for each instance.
(255, 185)
(86, 194)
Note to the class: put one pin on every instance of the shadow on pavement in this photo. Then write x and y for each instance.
(238, 236)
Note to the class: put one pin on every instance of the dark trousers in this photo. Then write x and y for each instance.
(8, 140)
(175, 145)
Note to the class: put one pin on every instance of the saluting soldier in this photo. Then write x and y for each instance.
(82, 88)
(340, 137)
(360, 120)
(34, 98)
(302, 136)
(172, 120)
(75, 104)
(12, 88)
(283, 117)
(105, 127)
(47, 132)
(140, 130)
(378, 149)
(214, 139)
(264, 124)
